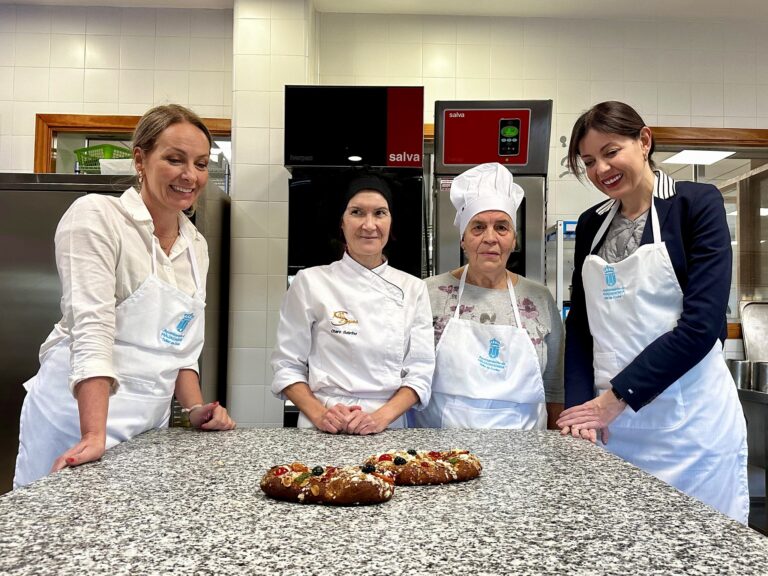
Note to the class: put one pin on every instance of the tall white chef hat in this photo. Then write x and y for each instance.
(484, 187)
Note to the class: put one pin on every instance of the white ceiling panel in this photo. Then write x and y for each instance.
(592, 9)
(753, 10)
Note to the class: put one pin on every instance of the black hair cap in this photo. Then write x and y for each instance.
(369, 182)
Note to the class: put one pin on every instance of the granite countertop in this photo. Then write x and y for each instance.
(189, 502)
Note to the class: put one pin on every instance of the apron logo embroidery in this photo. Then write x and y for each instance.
(342, 318)
(493, 349)
(182, 325)
(174, 337)
(491, 362)
(613, 292)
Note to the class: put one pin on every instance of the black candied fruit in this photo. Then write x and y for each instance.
(368, 468)
(399, 460)
(317, 471)
(412, 452)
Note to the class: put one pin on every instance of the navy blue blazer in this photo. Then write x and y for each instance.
(695, 231)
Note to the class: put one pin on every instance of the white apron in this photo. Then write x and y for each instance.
(158, 330)
(486, 376)
(693, 435)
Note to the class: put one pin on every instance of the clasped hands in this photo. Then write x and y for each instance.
(584, 420)
(341, 418)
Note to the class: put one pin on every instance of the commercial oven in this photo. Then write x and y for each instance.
(514, 133)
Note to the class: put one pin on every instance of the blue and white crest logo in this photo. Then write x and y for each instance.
(174, 337)
(184, 322)
(610, 275)
(493, 349)
(492, 361)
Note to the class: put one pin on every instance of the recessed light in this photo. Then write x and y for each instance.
(355, 158)
(698, 157)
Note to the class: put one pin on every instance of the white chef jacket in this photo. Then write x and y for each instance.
(103, 254)
(346, 330)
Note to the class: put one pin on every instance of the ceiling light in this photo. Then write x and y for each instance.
(355, 158)
(698, 157)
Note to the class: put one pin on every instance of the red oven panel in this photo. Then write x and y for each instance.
(405, 126)
(476, 136)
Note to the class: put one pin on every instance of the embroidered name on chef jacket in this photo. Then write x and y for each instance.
(175, 336)
(613, 291)
(342, 322)
(492, 362)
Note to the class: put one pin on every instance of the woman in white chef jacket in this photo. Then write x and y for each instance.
(354, 343)
(644, 358)
(133, 272)
(498, 335)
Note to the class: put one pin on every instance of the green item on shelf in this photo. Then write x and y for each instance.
(88, 157)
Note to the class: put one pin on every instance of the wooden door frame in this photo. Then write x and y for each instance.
(48, 125)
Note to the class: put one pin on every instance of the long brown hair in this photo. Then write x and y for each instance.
(609, 117)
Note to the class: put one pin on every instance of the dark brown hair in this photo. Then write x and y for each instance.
(610, 117)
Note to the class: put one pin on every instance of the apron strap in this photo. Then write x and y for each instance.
(510, 289)
(192, 259)
(512, 296)
(609, 218)
(155, 242)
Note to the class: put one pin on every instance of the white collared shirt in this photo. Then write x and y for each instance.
(103, 254)
(349, 331)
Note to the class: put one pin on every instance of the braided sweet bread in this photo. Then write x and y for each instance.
(342, 486)
(420, 467)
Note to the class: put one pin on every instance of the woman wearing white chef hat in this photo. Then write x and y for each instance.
(498, 335)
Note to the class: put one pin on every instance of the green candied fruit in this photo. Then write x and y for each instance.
(453, 460)
(317, 471)
(399, 460)
(301, 477)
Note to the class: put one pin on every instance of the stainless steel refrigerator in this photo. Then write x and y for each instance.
(30, 208)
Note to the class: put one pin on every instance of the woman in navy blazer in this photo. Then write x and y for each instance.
(648, 304)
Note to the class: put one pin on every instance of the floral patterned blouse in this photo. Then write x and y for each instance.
(538, 313)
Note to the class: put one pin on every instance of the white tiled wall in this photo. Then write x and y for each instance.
(680, 73)
(99, 60)
(115, 60)
(272, 40)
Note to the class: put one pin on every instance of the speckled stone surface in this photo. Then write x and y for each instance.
(187, 502)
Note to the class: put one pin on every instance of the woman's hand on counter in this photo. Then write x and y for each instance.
(364, 423)
(336, 418)
(584, 420)
(379, 420)
(91, 447)
(211, 416)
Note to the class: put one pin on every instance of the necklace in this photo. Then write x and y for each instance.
(167, 241)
